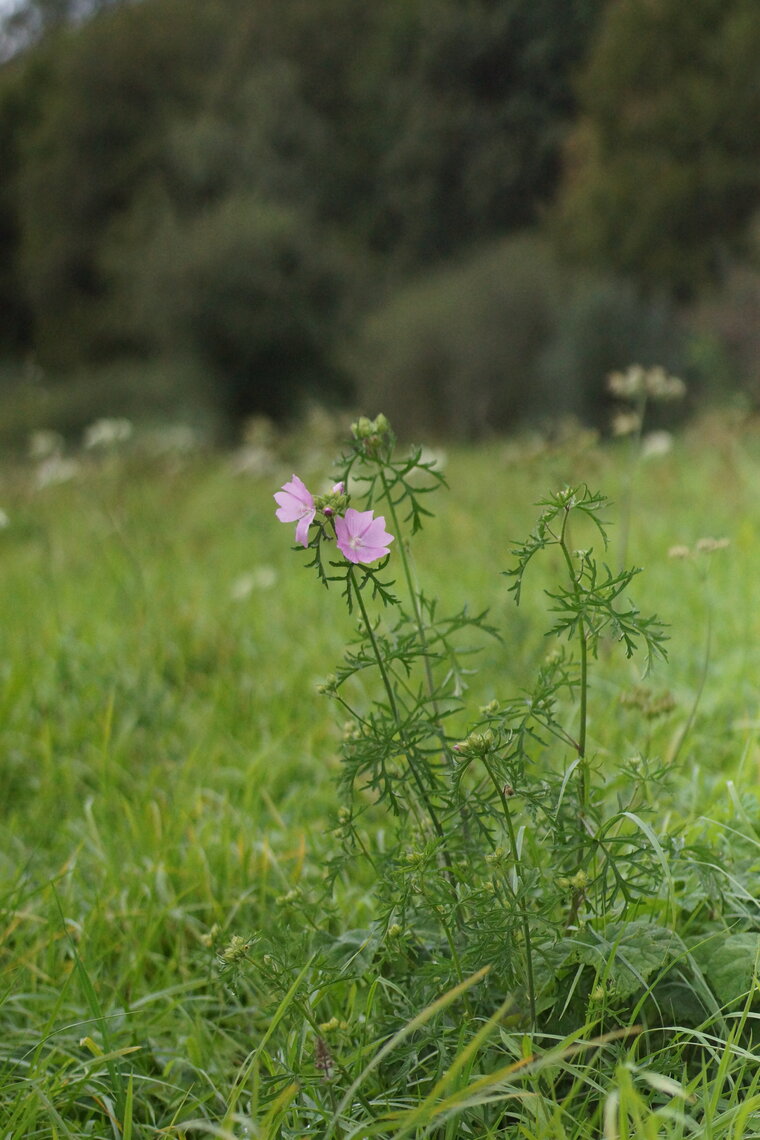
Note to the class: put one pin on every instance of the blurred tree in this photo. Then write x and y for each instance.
(97, 137)
(254, 291)
(20, 91)
(663, 172)
(336, 136)
(472, 100)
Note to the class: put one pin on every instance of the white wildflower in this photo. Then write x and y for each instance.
(107, 433)
(625, 423)
(261, 578)
(43, 444)
(56, 469)
(656, 443)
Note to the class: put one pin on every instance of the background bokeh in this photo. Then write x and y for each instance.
(466, 212)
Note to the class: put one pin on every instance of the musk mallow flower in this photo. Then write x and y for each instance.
(296, 504)
(361, 537)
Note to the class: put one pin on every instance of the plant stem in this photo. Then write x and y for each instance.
(397, 718)
(515, 852)
(583, 649)
(698, 696)
(627, 496)
(415, 601)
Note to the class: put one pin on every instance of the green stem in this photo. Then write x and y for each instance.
(700, 690)
(375, 648)
(515, 852)
(583, 648)
(397, 718)
(414, 598)
(308, 1016)
(627, 496)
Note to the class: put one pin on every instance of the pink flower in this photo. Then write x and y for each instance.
(361, 537)
(296, 504)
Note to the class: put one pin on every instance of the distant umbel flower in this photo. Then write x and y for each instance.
(107, 433)
(56, 469)
(638, 383)
(43, 444)
(361, 537)
(296, 504)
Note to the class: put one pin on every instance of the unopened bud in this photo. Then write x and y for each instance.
(361, 428)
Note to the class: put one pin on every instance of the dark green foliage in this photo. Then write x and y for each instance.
(459, 352)
(663, 171)
(475, 100)
(402, 142)
(25, 22)
(603, 324)
(102, 115)
(251, 290)
(505, 336)
(352, 145)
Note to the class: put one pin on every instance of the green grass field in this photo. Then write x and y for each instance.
(167, 781)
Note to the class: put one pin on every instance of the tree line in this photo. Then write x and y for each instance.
(235, 187)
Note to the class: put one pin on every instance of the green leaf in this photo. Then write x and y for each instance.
(628, 955)
(729, 963)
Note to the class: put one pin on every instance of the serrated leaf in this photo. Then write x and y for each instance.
(629, 955)
(729, 963)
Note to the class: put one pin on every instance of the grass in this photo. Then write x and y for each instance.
(167, 781)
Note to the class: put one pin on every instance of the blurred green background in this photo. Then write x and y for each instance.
(464, 212)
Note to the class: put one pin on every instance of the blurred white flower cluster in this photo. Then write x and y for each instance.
(107, 433)
(53, 467)
(637, 384)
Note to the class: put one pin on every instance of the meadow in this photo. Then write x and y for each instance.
(191, 947)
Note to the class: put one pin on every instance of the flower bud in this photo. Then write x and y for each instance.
(476, 744)
(361, 428)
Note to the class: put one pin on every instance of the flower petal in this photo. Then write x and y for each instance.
(359, 521)
(302, 530)
(376, 534)
(298, 489)
(294, 499)
(290, 509)
(361, 537)
(372, 554)
(343, 538)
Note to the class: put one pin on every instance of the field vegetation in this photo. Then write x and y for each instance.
(212, 927)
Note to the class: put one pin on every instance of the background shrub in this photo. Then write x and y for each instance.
(254, 294)
(507, 336)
